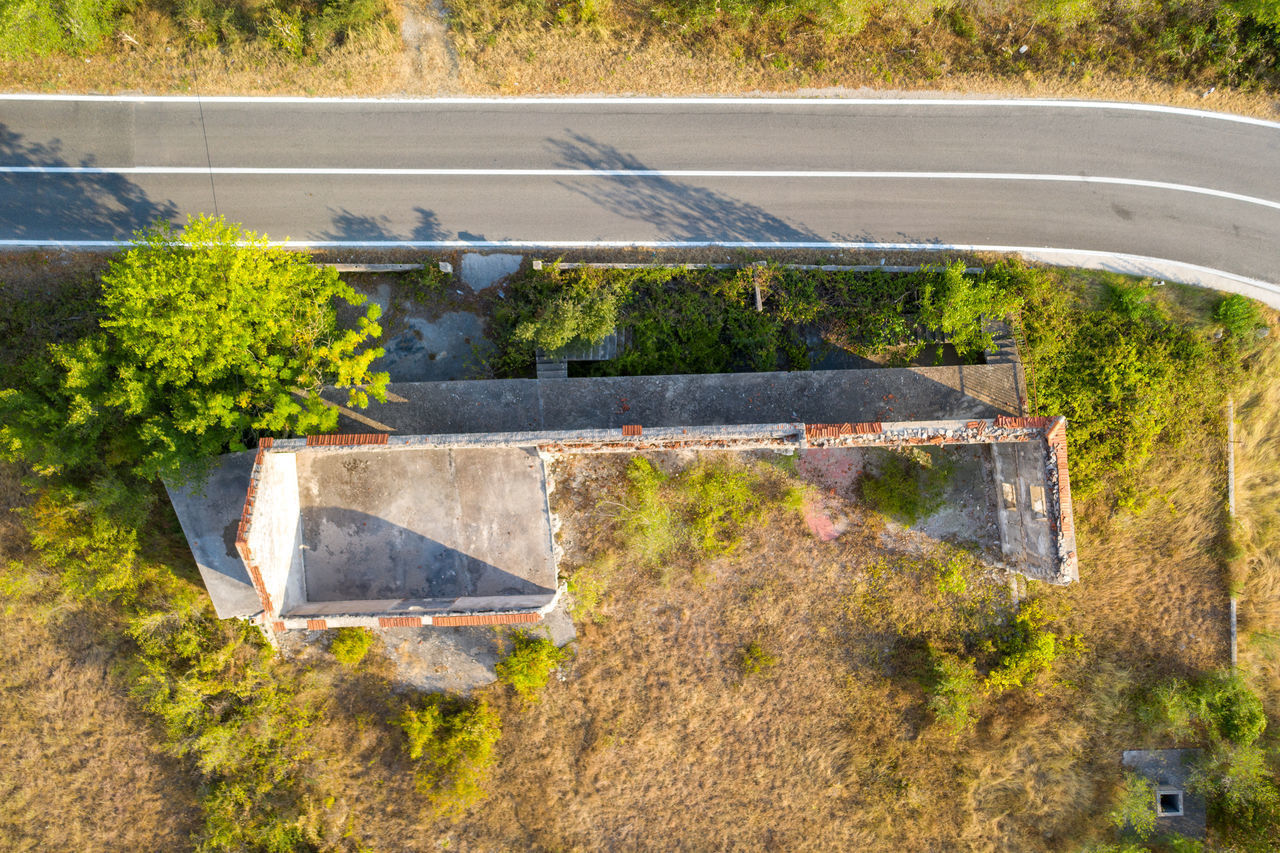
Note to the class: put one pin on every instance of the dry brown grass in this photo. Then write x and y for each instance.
(502, 52)
(1258, 510)
(656, 740)
(81, 767)
(533, 61)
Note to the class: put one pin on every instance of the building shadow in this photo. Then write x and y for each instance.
(676, 209)
(351, 555)
(77, 206)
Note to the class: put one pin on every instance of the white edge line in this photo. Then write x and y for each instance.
(1040, 253)
(634, 173)
(816, 101)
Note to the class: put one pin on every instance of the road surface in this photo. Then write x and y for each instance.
(1199, 189)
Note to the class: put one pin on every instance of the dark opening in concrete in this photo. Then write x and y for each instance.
(1169, 803)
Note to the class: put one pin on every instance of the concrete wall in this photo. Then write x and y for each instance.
(275, 532)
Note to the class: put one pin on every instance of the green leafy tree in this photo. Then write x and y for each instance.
(959, 306)
(580, 306)
(206, 338)
(1136, 807)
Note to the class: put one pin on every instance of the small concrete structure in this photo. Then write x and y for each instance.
(1177, 810)
(342, 531)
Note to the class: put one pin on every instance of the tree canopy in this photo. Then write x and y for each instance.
(205, 338)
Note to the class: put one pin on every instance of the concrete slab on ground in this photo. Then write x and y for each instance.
(210, 514)
(509, 405)
(481, 271)
(1169, 770)
(447, 348)
(458, 660)
(423, 524)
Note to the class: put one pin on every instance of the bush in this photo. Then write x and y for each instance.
(580, 306)
(350, 645)
(452, 739)
(529, 665)
(1220, 707)
(1238, 315)
(755, 660)
(700, 512)
(1027, 648)
(954, 691)
(31, 28)
(1136, 807)
(1125, 375)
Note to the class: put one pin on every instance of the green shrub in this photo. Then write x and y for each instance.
(954, 690)
(204, 342)
(529, 664)
(350, 645)
(1238, 316)
(452, 740)
(31, 28)
(1124, 374)
(1027, 648)
(579, 307)
(1220, 706)
(755, 659)
(1136, 807)
(908, 487)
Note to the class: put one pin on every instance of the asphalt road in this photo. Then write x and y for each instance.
(1173, 185)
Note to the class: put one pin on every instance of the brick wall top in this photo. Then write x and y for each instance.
(486, 619)
(341, 440)
(812, 431)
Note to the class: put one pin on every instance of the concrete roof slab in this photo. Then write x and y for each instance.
(424, 524)
(209, 514)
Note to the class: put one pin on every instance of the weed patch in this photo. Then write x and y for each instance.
(529, 664)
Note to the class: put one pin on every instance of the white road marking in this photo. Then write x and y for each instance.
(635, 173)
(521, 101)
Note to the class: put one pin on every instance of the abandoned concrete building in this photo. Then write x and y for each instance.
(432, 509)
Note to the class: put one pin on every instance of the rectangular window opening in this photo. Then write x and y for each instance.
(1010, 493)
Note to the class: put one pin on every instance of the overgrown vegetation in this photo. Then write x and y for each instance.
(698, 512)
(1224, 714)
(202, 344)
(963, 643)
(1127, 374)
(891, 42)
(295, 28)
(921, 682)
(529, 664)
(909, 484)
(193, 345)
(678, 320)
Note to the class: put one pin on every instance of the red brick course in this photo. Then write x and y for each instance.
(632, 430)
(400, 621)
(812, 431)
(487, 619)
(317, 625)
(341, 440)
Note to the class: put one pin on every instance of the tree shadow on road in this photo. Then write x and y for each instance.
(351, 227)
(676, 210)
(43, 207)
